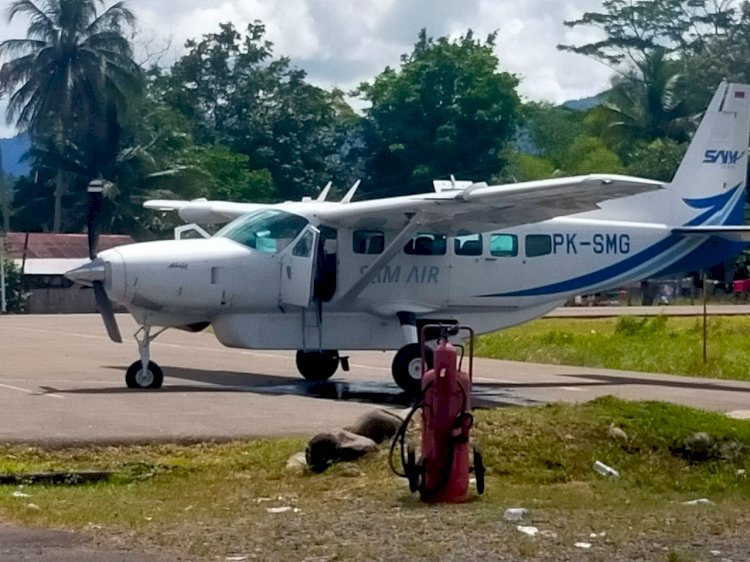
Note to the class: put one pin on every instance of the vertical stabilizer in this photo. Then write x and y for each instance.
(716, 160)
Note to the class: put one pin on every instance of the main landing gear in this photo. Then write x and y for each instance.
(145, 374)
(407, 367)
(317, 366)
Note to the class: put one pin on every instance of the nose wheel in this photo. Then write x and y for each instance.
(318, 366)
(140, 378)
(145, 374)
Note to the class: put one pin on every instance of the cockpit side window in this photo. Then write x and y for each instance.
(269, 230)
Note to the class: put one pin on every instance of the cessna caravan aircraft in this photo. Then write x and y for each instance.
(324, 277)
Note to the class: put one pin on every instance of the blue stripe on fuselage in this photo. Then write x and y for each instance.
(714, 206)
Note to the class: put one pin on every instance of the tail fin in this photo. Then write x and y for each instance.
(716, 160)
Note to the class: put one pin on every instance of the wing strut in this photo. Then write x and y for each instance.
(388, 254)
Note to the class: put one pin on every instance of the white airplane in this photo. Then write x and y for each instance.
(321, 277)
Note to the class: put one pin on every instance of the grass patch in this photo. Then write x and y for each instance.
(212, 500)
(658, 344)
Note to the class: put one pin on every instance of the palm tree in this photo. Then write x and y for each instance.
(647, 103)
(69, 80)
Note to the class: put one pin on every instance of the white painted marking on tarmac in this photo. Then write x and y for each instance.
(739, 414)
(360, 366)
(18, 388)
(488, 380)
(572, 389)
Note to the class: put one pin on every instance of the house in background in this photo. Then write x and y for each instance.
(45, 257)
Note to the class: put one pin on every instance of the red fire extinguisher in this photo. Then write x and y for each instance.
(442, 472)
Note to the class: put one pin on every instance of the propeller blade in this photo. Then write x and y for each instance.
(105, 309)
(96, 191)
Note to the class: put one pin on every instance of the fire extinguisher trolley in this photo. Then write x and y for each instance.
(442, 472)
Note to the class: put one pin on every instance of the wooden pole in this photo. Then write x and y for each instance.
(705, 317)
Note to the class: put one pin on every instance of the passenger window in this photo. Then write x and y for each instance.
(504, 245)
(426, 244)
(538, 245)
(468, 245)
(368, 241)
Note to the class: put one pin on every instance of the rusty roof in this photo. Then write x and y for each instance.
(60, 246)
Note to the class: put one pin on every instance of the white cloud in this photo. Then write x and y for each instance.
(344, 43)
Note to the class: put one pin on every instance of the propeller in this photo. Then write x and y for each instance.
(95, 196)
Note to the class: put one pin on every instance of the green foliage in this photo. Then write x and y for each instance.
(525, 167)
(558, 443)
(70, 82)
(233, 92)
(552, 129)
(655, 345)
(15, 296)
(632, 30)
(588, 155)
(227, 175)
(632, 325)
(657, 160)
(212, 500)
(447, 110)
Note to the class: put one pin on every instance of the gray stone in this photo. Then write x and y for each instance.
(378, 425)
(338, 446)
(297, 463)
(617, 433)
(698, 447)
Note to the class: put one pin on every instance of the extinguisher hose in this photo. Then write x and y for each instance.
(400, 438)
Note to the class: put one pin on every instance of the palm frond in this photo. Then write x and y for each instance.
(112, 17)
(35, 14)
(15, 47)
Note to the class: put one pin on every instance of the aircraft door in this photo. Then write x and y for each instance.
(298, 269)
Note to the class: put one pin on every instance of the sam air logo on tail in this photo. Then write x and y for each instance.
(713, 156)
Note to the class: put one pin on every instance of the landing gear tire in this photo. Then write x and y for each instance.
(150, 378)
(317, 366)
(406, 367)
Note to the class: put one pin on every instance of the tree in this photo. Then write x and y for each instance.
(552, 129)
(226, 175)
(657, 160)
(633, 30)
(236, 94)
(645, 104)
(447, 110)
(724, 56)
(71, 79)
(16, 297)
(6, 196)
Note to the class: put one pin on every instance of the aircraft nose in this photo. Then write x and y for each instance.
(89, 272)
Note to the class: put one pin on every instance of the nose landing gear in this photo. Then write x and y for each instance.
(319, 365)
(145, 374)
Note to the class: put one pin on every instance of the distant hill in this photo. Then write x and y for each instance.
(13, 150)
(583, 104)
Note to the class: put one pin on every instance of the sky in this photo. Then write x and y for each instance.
(345, 42)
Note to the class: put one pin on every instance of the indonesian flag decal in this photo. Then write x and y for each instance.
(739, 94)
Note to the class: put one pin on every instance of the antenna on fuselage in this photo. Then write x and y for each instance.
(324, 192)
(349, 194)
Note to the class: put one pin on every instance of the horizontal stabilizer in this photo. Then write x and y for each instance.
(733, 233)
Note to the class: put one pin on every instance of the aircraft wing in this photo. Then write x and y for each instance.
(481, 207)
(202, 211)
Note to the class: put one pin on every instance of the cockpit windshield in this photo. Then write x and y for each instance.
(269, 230)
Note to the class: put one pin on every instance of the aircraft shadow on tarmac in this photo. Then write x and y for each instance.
(486, 394)
(362, 390)
(382, 393)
